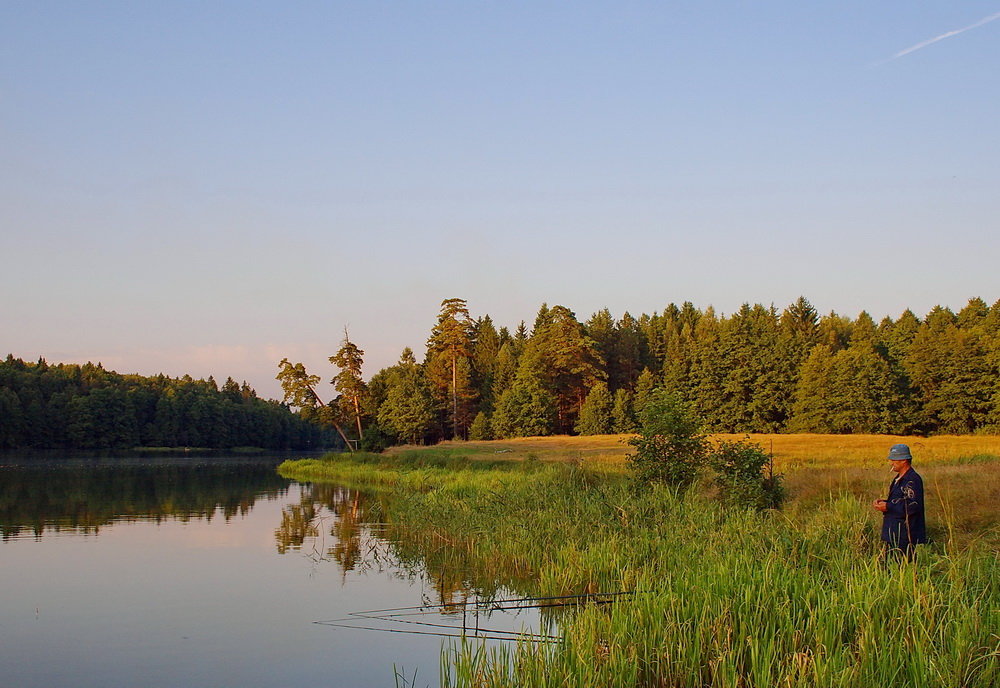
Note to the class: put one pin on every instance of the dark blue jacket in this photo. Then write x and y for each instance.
(903, 520)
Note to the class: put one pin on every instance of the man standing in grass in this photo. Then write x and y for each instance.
(903, 510)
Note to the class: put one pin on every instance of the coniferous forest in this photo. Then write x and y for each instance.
(759, 369)
(68, 406)
(756, 370)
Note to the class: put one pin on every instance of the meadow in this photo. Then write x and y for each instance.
(722, 596)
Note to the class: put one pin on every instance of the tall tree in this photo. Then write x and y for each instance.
(349, 382)
(864, 394)
(600, 327)
(449, 348)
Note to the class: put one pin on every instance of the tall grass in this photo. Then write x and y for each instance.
(723, 598)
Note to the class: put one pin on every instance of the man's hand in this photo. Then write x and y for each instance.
(879, 505)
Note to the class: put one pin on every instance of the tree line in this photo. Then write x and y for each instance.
(69, 406)
(756, 370)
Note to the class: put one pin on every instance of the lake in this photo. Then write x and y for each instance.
(218, 572)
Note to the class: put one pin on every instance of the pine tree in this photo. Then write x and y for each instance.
(708, 373)
(349, 382)
(631, 353)
(542, 319)
(299, 388)
(600, 328)
(864, 397)
(678, 358)
(505, 370)
(834, 331)
(448, 367)
(799, 329)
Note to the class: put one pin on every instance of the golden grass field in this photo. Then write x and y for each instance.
(790, 451)
(961, 472)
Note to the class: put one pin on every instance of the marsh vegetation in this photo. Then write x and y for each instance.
(725, 596)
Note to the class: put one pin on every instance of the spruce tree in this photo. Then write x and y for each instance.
(481, 429)
(564, 361)
(644, 388)
(485, 352)
(630, 355)
(623, 413)
(525, 410)
(863, 395)
(812, 409)
(408, 409)
(595, 414)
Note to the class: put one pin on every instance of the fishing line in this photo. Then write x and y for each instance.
(396, 614)
(541, 639)
(477, 632)
(487, 603)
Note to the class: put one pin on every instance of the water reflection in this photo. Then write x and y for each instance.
(186, 588)
(458, 594)
(85, 496)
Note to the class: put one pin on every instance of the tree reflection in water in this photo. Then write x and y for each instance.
(334, 524)
(84, 496)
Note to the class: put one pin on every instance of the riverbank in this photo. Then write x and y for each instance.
(723, 597)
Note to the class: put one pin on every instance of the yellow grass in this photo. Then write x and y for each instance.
(790, 451)
(961, 472)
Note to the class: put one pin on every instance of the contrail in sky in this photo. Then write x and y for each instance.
(949, 34)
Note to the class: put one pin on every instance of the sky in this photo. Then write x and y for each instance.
(209, 187)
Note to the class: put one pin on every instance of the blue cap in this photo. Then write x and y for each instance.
(899, 452)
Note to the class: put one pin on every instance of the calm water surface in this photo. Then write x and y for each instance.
(190, 573)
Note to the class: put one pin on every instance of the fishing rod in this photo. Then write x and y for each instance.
(510, 635)
(351, 623)
(397, 614)
(492, 604)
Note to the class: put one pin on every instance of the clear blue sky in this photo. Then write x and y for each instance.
(208, 187)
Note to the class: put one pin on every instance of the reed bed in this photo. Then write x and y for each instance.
(724, 597)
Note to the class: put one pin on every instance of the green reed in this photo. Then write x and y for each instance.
(725, 597)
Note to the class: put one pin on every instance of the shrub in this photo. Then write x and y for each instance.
(739, 468)
(671, 447)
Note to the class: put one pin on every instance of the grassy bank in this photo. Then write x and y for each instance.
(790, 451)
(726, 598)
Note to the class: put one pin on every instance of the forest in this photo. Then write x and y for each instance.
(85, 407)
(756, 370)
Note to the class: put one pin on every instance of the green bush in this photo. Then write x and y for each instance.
(671, 447)
(739, 473)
